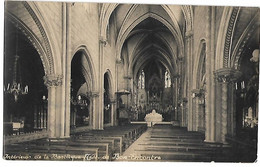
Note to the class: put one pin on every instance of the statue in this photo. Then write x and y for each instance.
(153, 118)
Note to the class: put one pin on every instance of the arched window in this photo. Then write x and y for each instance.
(141, 80)
(167, 79)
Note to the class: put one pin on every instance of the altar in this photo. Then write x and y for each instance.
(153, 118)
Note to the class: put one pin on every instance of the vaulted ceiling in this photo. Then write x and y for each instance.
(148, 33)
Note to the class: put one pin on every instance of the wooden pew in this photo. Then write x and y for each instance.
(118, 140)
(86, 139)
(122, 136)
(67, 152)
(103, 148)
(99, 143)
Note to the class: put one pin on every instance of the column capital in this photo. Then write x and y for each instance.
(93, 94)
(127, 77)
(180, 59)
(195, 93)
(184, 100)
(113, 100)
(188, 34)
(176, 76)
(226, 75)
(103, 40)
(51, 80)
(119, 61)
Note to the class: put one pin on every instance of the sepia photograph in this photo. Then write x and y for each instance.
(130, 82)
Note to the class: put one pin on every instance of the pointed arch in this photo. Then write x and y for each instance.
(47, 36)
(246, 35)
(225, 35)
(200, 57)
(188, 15)
(47, 59)
(88, 70)
(110, 81)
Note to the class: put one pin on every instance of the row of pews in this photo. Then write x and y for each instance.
(91, 145)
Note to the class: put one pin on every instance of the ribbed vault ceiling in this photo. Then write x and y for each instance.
(148, 34)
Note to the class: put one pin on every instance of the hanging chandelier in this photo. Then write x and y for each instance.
(79, 101)
(16, 88)
(107, 107)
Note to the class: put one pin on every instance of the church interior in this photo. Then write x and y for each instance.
(130, 82)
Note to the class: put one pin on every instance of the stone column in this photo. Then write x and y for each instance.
(176, 107)
(100, 117)
(113, 111)
(128, 87)
(225, 76)
(95, 112)
(212, 77)
(232, 107)
(184, 112)
(118, 63)
(73, 118)
(201, 109)
(232, 103)
(90, 108)
(196, 95)
(52, 81)
(176, 101)
(189, 37)
(180, 92)
(210, 111)
(62, 91)
(66, 68)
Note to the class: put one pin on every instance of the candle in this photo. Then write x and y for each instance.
(243, 84)
(8, 86)
(236, 85)
(18, 86)
(26, 89)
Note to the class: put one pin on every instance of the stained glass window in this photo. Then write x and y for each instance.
(141, 80)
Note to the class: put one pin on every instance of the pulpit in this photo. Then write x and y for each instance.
(123, 117)
(153, 118)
